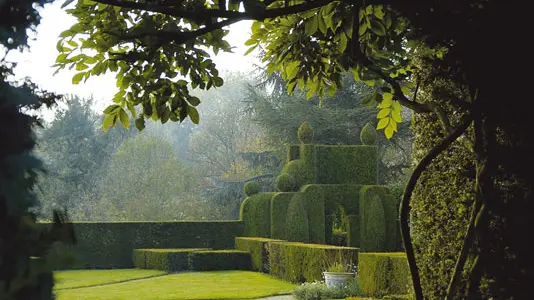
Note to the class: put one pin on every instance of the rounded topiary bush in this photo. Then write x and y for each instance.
(285, 183)
(368, 135)
(251, 188)
(305, 133)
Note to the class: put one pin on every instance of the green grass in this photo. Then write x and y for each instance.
(185, 286)
(85, 278)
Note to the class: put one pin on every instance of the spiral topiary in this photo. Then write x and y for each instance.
(368, 135)
(305, 133)
(251, 188)
(285, 182)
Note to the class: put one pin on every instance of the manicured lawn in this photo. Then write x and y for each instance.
(192, 286)
(83, 278)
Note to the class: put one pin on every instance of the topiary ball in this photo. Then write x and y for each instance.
(368, 135)
(285, 182)
(305, 133)
(251, 188)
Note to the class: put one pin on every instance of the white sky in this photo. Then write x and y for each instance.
(36, 63)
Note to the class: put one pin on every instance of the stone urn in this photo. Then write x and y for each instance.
(336, 279)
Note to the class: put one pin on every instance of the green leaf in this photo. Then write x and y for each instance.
(81, 66)
(342, 42)
(72, 43)
(322, 24)
(77, 77)
(125, 119)
(251, 49)
(251, 42)
(382, 123)
(378, 27)
(218, 81)
(61, 57)
(292, 68)
(256, 26)
(379, 12)
(384, 112)
(311, 26)
(112, 109)
(397, 106)
(388, 132)
(131, 108)
(387, 100)
(362, 29)
(140, 123)
(193, 101)
(393, 124)
(109, 121)
(396, 116)
(193, 114)
(119, 96)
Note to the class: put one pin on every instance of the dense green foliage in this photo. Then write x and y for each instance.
(251, 188)
(298, 262)
(297, 227)
(187, 285)
(256, 215)
(285, 182)
(258, 249)
(169, 260)
(368, 135)
(219, 260)
(305, 133)
(346, 164)
(378, 219)
(104, 245)
(383, 274)
(319, 291)
(353, 230)
(279, 205)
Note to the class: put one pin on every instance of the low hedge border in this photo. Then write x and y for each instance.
(383, 274)
(219, 260)
(258, 248)
(170, 260)
(299, 262)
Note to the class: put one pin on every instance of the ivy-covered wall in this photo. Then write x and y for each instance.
(103, 245)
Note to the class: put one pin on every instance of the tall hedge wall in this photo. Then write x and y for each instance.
(297, 227)
(258, 249)
(342, 164)
(219, 260)
(112, 244)
(256, 215)
(383, 274)
(298, 262)
(378, 219)
(170, 260)
(315, 206)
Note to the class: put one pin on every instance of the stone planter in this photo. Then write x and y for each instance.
(335, 279)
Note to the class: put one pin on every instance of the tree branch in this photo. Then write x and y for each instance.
(405, 204)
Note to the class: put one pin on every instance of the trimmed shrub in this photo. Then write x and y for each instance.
(368, 135)
(313, 196)
(293, 153)
(302, 173)
(305, 133)
(170, 260)
(109, 245)
(251, 188)
(285, 183)
(256, 215)
(343, 164)
(297, 228)
(298, 262)
(219, 260)
(378, 220)
(258, 249)
(383, 274)
(279, 205)
(397, 191)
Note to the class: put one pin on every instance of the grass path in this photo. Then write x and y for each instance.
(88, 278)
(184, 286)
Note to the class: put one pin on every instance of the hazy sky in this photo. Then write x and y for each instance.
(37, 62)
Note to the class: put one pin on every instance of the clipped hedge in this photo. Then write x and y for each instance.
(105, 245)
(315, 205)
(305, 133)
(368, 135)
(259, 251)
(297, 228)
(342, 164)
(298, 262)
(383, 274)
(293, 153)
(251, 188)
(285, 182)
(353, 231)
(279, 205)
(256, 215)
(219, 260)
(378, 220)
(170, 260)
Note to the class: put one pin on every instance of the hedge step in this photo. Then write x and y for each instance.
(195, 259)
(170, 260)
